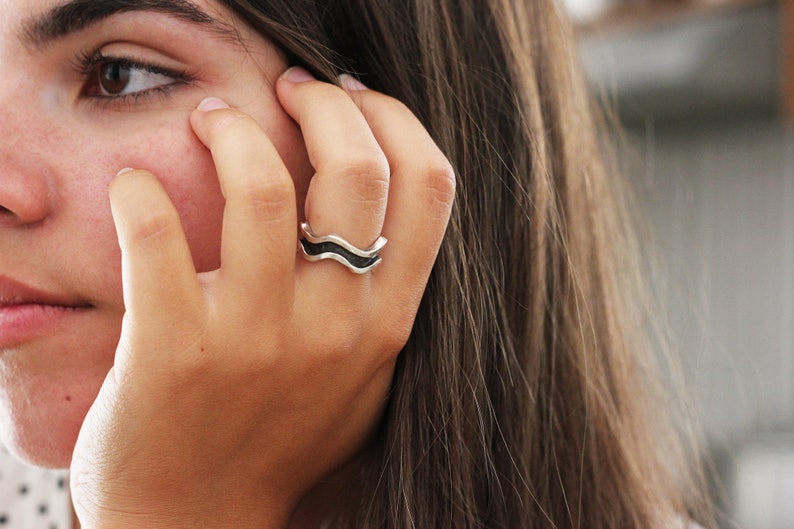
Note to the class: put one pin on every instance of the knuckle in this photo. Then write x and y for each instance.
(396, 335)
(269, 199)
(154, 226)
(337, 338)
(440, 182)
(335, 347)
(392, 325)
(367, 179)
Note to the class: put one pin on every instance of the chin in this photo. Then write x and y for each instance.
(42, 429)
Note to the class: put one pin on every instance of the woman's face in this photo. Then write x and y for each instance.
(78, 102)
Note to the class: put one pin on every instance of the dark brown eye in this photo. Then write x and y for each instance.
(114, 78)
(122, 78)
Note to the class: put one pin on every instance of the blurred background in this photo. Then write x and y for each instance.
(704, 91)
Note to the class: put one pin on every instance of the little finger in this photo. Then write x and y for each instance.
(421, 195)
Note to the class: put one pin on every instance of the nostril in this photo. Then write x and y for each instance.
(23, 202)
(24, 199)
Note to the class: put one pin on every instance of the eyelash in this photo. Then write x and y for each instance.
(87, 65)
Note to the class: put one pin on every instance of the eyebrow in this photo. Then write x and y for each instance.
(78, 15)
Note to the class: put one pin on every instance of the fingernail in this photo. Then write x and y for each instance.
(349, 82)
(125, 170)
(296, 74)
(212, 103)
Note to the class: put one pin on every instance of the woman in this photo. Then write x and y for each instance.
(245, 386)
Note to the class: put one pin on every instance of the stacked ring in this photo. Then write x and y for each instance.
(358, 261)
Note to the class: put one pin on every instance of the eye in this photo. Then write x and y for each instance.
(119, 79)
(113, 78)
(122, 77)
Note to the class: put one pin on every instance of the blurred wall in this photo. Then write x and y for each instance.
(711, 157)
(720, 199)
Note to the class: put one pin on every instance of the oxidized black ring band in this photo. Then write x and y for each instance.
(316, 248)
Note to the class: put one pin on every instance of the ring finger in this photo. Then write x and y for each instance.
(349, 191)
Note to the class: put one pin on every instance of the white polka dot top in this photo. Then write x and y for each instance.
(33, 498)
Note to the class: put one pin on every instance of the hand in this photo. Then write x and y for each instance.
(234, 391)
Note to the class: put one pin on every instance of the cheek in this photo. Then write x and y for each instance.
(184, 168)
(170, 150)
(187, 173)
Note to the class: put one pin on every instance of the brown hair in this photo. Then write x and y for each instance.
(523, 397)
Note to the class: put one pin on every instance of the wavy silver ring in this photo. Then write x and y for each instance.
(316, 248)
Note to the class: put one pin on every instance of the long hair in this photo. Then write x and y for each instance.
(523, 397)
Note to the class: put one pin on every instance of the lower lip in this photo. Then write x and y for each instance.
(22, 322)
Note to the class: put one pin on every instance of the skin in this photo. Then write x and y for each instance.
(205, 349)
(63, 153)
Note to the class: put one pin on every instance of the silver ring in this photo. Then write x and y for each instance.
(317, 248)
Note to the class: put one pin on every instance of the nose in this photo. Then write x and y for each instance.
(21, 203)
(25, 194)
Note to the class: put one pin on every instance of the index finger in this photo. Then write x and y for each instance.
(161, 289)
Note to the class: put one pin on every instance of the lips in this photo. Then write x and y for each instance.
(26, 312)
(13, 293)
